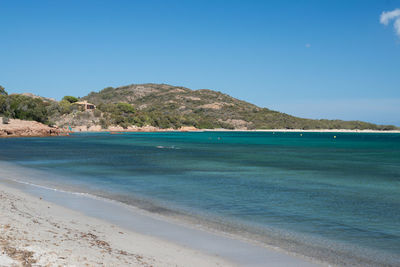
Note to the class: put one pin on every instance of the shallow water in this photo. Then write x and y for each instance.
(332, 198)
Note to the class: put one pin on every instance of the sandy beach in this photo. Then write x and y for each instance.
(35, 232)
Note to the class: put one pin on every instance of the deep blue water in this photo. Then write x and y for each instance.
(340, 194)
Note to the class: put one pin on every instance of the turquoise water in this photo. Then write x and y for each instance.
(336, 199)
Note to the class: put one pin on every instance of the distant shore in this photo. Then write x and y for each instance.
(119, 129)
(239, 130)
(21, 128)
(309, 131)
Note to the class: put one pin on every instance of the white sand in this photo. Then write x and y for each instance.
(6, 260)
(39, 233)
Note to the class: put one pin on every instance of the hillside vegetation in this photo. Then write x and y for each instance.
(23, 107)
(163, 106)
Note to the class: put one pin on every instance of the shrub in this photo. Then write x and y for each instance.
(97, 113)
(70, 99)
(104, 124)
(64, 106)
(3, 91)
(27, 108)
(5, 120)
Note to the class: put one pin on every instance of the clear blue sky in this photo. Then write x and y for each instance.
(317, 59)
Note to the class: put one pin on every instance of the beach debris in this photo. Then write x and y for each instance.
(95, 241)
(25, 257)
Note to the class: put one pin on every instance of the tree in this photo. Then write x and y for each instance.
(25, 108)
(3, 104)
(125, 108)
(64, 106)
(70, 99)
(3, 91)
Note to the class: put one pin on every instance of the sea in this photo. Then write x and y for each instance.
(334, 197)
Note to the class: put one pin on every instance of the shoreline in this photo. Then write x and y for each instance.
(236, 130)
(307, 131)
(36, 231)
(209, 248)
(20, 128)
(150, 129)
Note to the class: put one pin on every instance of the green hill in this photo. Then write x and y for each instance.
(166, 106)
(163, 106)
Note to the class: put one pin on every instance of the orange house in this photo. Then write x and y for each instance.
(84, 105)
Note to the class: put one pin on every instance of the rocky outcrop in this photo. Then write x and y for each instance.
(188, 129)
(117, 128)
(21, 128)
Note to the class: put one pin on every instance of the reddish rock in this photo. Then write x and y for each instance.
(20, 128)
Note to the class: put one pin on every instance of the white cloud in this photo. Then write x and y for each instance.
(397, 26)
(388, 16)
